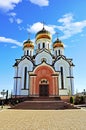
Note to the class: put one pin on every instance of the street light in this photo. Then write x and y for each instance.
(3, 93)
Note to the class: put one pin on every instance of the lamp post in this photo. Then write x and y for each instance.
(3, 93)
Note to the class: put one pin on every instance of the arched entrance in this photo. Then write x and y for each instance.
(44, 87)
(43, 81)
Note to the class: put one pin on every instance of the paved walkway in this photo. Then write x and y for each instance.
(42, 119)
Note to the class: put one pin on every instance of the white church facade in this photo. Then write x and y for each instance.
(45, 71)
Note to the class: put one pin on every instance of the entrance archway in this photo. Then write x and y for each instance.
(44, 88)
(44, 81)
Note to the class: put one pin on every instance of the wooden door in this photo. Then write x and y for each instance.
(43, 90)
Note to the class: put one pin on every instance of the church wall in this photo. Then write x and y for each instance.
(63, 92)
(24, 92)
(40, 56)
(20, 81)
(65, 65)
(41, 41)
(30, 51)
(57, 49)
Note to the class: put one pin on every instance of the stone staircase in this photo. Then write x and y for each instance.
(44, 103)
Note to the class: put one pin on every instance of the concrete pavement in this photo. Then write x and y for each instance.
(42, 119)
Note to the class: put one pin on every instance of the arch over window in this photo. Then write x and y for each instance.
(43, 60)
(44, 81)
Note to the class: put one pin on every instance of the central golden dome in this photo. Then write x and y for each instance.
(43, 34)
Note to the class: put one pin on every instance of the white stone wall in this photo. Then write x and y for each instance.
(24, 92)
(43, 40)
(57, 49)
(40, 56)
(30, 51)
(20, 81)
(66, 73)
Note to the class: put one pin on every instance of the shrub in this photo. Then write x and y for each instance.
(81, 99)
(77, 100)
(71, 99)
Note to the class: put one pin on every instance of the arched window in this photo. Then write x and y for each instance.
(59, 52)
(39, 46)
(56, 52)
(30, 53)
(43, 45)
(27, 52)
(25, 77)
(62, 78)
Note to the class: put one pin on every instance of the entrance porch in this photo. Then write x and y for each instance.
(44, 81)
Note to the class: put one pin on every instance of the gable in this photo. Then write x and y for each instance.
(43, 55)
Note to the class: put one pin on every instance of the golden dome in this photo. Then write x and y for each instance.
(58, 43)
(28, 44)
(43, 34)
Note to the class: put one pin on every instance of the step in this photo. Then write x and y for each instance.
(43, 105)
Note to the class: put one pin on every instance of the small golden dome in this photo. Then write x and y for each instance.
(28, 44)
(43, 34)
(58, 43)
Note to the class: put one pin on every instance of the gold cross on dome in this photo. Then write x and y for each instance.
(43, 23)
(57, 34)
(29, 35)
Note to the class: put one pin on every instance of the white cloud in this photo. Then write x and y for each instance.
(21, 28)
(7, 5)
(14, 47)
(13, 14)
(35, 27)
(9, 40)
(67, 18)
(39, 26)
(40, 2)
(11, 20)
(18, 20)
(69, 27)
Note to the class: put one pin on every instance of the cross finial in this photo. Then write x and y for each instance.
(57, 34)
(29, 35)
(43, 23)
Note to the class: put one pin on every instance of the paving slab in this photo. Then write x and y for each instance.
(42, 119)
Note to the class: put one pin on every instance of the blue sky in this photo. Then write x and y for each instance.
(19, 17)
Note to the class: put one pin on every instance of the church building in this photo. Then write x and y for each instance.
(43, 70)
